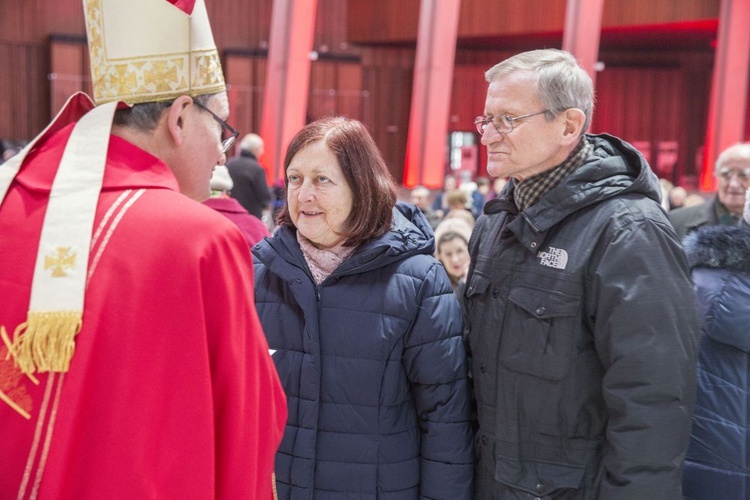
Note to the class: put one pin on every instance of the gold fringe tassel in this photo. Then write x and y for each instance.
(46, 341)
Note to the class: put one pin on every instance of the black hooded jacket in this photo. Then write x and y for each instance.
(583, 324)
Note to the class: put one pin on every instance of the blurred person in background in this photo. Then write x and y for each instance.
(717, 463)
(732, 170)
(221, 183)
(457, 201)
(480, 196)
(676, 197)
(250, 188)
(440, 203)
(452, 250)
(420, 196)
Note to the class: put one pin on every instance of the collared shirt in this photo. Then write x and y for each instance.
(724, 216)
(531, 190)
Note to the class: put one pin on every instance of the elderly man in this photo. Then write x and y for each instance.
(132, 361)
(733, 171)
(420, 196)
(581, 315)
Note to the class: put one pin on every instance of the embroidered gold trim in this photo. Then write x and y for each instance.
(13, 405)
(148, 78)
(60, 261)
(46, 341)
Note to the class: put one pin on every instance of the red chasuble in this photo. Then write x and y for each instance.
(171, 392)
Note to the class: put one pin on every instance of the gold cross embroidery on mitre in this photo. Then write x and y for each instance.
(64, 259)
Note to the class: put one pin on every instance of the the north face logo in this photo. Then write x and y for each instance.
(554, 257)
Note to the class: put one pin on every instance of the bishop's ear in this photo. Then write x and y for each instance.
(574, 122)
(177, 117)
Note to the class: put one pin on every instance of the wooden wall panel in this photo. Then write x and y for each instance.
(388, 21)
(24, 91)
(483, 18)
(634, 12)
(353, 100)
(69, 72)
(387, 78)
(382, 21)
(336, 89)
(647, 106)
(243, 24)
(242, 74)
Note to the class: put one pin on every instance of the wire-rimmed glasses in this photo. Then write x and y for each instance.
(504, 124)
(743, 174)
(227, 143)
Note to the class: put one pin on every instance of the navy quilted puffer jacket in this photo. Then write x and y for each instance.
(717, 465)
(374, 369)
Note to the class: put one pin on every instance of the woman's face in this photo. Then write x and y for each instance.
(318, 196)
(454, 254)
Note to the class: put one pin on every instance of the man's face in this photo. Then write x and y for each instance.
(734, 180)
(420, 197)
(202, 149)
(534, 145)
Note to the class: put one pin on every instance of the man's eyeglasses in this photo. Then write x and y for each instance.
(227, 143)
(743, 174)
(504, 124)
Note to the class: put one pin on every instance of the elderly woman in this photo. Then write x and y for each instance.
(717, 464)
(364, 329)
(452, 250)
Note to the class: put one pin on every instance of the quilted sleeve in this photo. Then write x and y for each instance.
(436, 364)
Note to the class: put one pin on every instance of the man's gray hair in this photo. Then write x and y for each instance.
(739, 151)
(252, 143)
(561, 83)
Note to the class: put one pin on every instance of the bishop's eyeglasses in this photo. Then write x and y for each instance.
(226, 144)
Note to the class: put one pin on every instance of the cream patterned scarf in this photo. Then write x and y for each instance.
(323, 262)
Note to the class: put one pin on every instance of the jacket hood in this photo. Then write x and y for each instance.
(410, 234)
(720, 259)
(719, 247)
(614, 168)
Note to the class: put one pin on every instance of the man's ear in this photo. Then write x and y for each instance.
(177, 117)
(574, 120)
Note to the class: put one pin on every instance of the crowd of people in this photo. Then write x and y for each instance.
(566, 328)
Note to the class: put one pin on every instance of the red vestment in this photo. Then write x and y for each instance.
(251, 226)
(171, 392)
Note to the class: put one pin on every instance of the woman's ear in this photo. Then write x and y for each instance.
(574, 121)
(177, 118)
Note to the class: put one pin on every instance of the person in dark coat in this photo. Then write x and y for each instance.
(733, 173)
(364, 329)
(249, 177)
(718, 463)
(252, 227)
(582, 321)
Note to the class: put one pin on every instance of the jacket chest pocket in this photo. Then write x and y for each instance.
(539, 330)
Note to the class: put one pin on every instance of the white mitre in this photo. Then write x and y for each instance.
(151, 50)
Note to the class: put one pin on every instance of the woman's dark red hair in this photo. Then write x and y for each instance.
(365, 171)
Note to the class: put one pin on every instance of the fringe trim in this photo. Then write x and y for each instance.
(46, 341)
